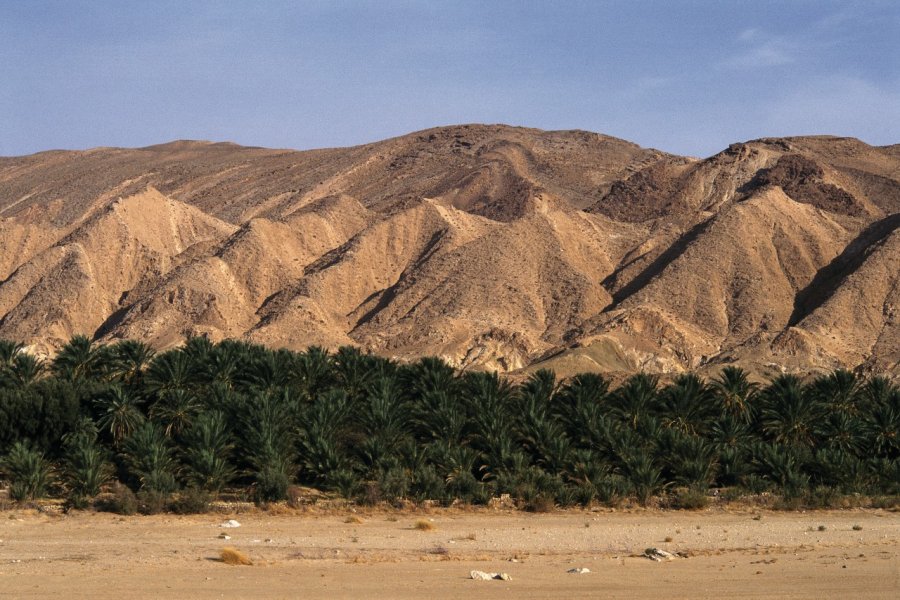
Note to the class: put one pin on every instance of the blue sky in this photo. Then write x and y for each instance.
(686, 77)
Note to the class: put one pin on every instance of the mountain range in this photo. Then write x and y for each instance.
(491, 246)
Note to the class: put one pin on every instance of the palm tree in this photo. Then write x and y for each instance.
(171, 370)
(734, 391)
(636, 399)
(645, 477)
(313, 373)
(541, 385)
(80, 359)
(488, 400)
(130, 358)
(882, 428)
(119, 413)
(539, 432)
(8, 351)
(782, 464)
(266, 439)
(267, 372)
(151, 459)
(224, 364)
(838, 391)
(353, 371)
(206, 449)
(86, 467)
(25, 370)
(691, 460)
(29, 473)
(175, 410)
(430, 375)
(321, 438)
(687, 405)
(789, 414)
(440, 416)
(385, 419)
(842, 430)
(582, 406)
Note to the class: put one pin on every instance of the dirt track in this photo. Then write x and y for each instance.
(731, 554)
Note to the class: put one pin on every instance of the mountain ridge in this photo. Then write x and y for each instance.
(492, 246)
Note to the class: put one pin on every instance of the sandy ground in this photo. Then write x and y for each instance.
(730, 554)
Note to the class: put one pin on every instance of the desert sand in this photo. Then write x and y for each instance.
(377, 554)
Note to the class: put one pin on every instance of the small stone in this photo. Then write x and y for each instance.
(223, 536)
(230, 524)
(579, 571)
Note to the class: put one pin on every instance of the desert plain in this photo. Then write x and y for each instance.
(740, 553)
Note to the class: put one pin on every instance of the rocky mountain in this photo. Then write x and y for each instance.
(491, 246)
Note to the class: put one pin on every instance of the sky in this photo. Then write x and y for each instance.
(684, 77)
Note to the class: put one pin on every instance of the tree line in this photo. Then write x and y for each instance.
(206, 418)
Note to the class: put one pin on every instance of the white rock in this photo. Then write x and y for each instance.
(579, 571)
(222, 536)
(658, 555)
(231, 524)
(482, 576)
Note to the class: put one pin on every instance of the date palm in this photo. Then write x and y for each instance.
(85, 467)
(687, 405)
(175, 410)
(734, 392)
(636, 399)
(313, 373)
(129, 359)
(151, 459)
(838, 392)
(169, 371)
(118, 413)
(321, 438)
(207, 452)
(80, 359)
(25, 370)
(789, 413)
(8, 351)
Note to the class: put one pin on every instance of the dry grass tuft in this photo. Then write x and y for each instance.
(423, 525)
(353, 519)
(233, 556)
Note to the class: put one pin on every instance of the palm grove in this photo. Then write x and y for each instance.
(207, 418)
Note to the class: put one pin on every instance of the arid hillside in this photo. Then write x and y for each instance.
(490, 246)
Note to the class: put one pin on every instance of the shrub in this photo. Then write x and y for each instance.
(540, 503)
(345, 482)
(272, 485)
(121, 501)
(151, 501)
(423, 525)
(691, 499)
(190, 501)
(233, 556)
(426, 484)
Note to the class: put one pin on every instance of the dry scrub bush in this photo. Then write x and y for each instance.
(423, 525)
(233, 556)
